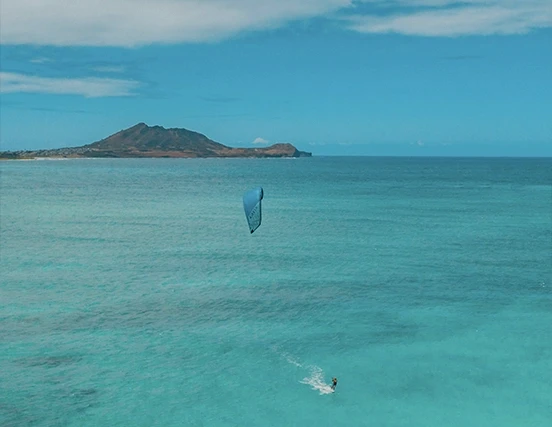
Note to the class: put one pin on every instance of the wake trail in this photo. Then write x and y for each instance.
(316, 381)
(316, 375)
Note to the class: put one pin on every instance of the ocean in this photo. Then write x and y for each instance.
(133, 294)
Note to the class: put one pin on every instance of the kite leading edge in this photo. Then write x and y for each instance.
(252, 206)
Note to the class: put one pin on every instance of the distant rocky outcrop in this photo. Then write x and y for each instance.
(142, 140)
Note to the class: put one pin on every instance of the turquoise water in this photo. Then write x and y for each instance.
(132, 293)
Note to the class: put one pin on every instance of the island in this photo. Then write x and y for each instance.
(142, 140)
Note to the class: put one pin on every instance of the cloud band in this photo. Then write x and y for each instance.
(90, 87)
(130, 23)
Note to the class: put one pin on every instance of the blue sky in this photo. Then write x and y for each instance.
(335, 77)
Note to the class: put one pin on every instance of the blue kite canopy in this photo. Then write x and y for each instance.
(252, 206)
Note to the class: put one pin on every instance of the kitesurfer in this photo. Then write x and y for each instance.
(334, 383)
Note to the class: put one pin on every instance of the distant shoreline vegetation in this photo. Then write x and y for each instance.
(143, 141)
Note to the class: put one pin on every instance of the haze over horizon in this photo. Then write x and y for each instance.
(332, 77)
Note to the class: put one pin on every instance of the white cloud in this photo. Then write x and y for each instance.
(109, 69)
(140, 22)
(130, 23)
(260, 140)
(421, 3)
(90, 87)
(451, 18)
(40, 60)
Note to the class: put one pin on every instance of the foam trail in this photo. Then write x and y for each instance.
(289, 358)
(316, 378)
(316, 381)
(292, 360)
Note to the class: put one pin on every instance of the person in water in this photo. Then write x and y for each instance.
(334, 383)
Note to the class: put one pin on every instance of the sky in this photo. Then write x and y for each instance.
(333, 77)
